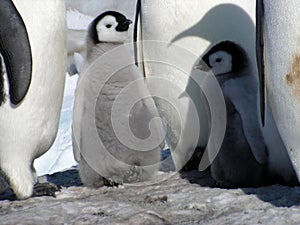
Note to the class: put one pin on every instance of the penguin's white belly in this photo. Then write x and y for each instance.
(283, 71)
(32, 125)
(192, 25)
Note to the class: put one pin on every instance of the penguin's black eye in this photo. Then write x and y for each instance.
(108, 25)
(218, 60)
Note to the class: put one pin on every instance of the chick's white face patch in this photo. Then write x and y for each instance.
(220, 62)
(106, 30)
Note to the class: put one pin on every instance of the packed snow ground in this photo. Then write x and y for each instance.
(177, 200)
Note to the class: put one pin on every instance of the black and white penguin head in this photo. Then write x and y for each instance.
(110, 26)
(223, 58)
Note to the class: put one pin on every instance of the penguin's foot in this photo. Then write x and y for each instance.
(110, 183)
(133, 174)
(45, 189)
(20, 179)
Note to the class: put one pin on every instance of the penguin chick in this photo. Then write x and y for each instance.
(242, 159)
(101, 154)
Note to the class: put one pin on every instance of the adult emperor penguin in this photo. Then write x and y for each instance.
(278, 56)
(116, 134)
(194, 26)
(33, 69)
(242, 159)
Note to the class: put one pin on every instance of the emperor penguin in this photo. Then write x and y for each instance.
(278, 52)
(33, 66)
(190, 28)
(243, 157)
(116, 126)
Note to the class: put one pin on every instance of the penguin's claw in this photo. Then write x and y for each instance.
(110, 183)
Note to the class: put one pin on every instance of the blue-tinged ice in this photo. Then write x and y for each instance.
(60, 155)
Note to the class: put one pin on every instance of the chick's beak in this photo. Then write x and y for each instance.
(124, 25)
(127, 22)
(201, 66)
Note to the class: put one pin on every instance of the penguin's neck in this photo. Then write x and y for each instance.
(103, 47)
(222, 78)
(240, 74)
(99, 49)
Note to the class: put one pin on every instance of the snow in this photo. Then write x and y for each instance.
(172, 201)
(77, 20)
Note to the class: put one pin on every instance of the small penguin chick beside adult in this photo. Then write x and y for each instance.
(98, 147)
(242, 159)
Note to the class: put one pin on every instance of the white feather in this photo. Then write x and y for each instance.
(282, 31)
(192, 25)
(28, 130)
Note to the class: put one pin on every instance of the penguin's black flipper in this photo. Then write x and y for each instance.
(15, 50)
(260, 56)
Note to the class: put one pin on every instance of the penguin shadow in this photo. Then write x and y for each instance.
(234, 24)
(225, 19)
(277, 195)
(223, 22)
(191, 173)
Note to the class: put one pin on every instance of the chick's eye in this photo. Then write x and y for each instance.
(218, 60)
(108, 25)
